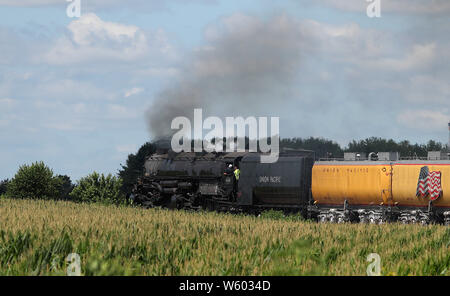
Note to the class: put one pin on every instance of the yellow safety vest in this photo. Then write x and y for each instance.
(237, 173)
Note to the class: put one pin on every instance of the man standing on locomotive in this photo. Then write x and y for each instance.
(237, 174)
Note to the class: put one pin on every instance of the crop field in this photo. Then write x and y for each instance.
(37, 236)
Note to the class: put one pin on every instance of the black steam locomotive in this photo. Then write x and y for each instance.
(206, 181)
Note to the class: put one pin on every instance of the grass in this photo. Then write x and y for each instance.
(37, 236)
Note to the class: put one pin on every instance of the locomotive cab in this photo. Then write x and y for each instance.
(229, 183)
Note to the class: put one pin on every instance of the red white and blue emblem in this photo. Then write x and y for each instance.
(429, 184)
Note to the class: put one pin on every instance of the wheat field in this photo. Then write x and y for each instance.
(37, 236)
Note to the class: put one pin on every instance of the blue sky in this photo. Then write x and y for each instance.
(76, 93)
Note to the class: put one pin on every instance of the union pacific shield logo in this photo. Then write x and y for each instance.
(429, 184)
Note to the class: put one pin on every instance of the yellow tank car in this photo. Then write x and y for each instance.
(358, 182)
(405, 182)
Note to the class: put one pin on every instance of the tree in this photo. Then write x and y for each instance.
(65, 188)
(134, 167)
(372, 144)
(322, 147)
(4, 186)
(35, 181)
(434, 146)
(405, 148)
(98, 188)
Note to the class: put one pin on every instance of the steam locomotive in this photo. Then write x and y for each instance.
(373, 191)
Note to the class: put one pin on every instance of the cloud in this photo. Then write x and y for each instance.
(57, 90)
(365, 48)
(344, 42)
(419, 57)
(66, 126)
(6, 103)
(25, 3)
(158, 72)
(90, 38)
(115, 111)
(403, 6)
(133, 91)
(95, 5)
(62, 89)
(250, 65)
(424, 119)
(367, 61)
(428, 88)
(397, 6)
(88, 116)
(13, 50)
(7, 114)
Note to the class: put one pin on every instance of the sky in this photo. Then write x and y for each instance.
(82, 93)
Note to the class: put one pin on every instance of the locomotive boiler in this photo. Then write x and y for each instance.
(183, 180)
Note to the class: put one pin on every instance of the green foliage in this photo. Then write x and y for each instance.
(37, 236)
(326, 148)
(322, 147)
(302, 253)
(280, 215)
(405, 148)
(13, 245)
(66, 187)
(4, 186)
(133, 169)
(34, 181)
(272, 214)
(98, 188)
(100, 266)
(52, 253)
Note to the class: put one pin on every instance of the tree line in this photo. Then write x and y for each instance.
(38, 181)
(328, 149)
